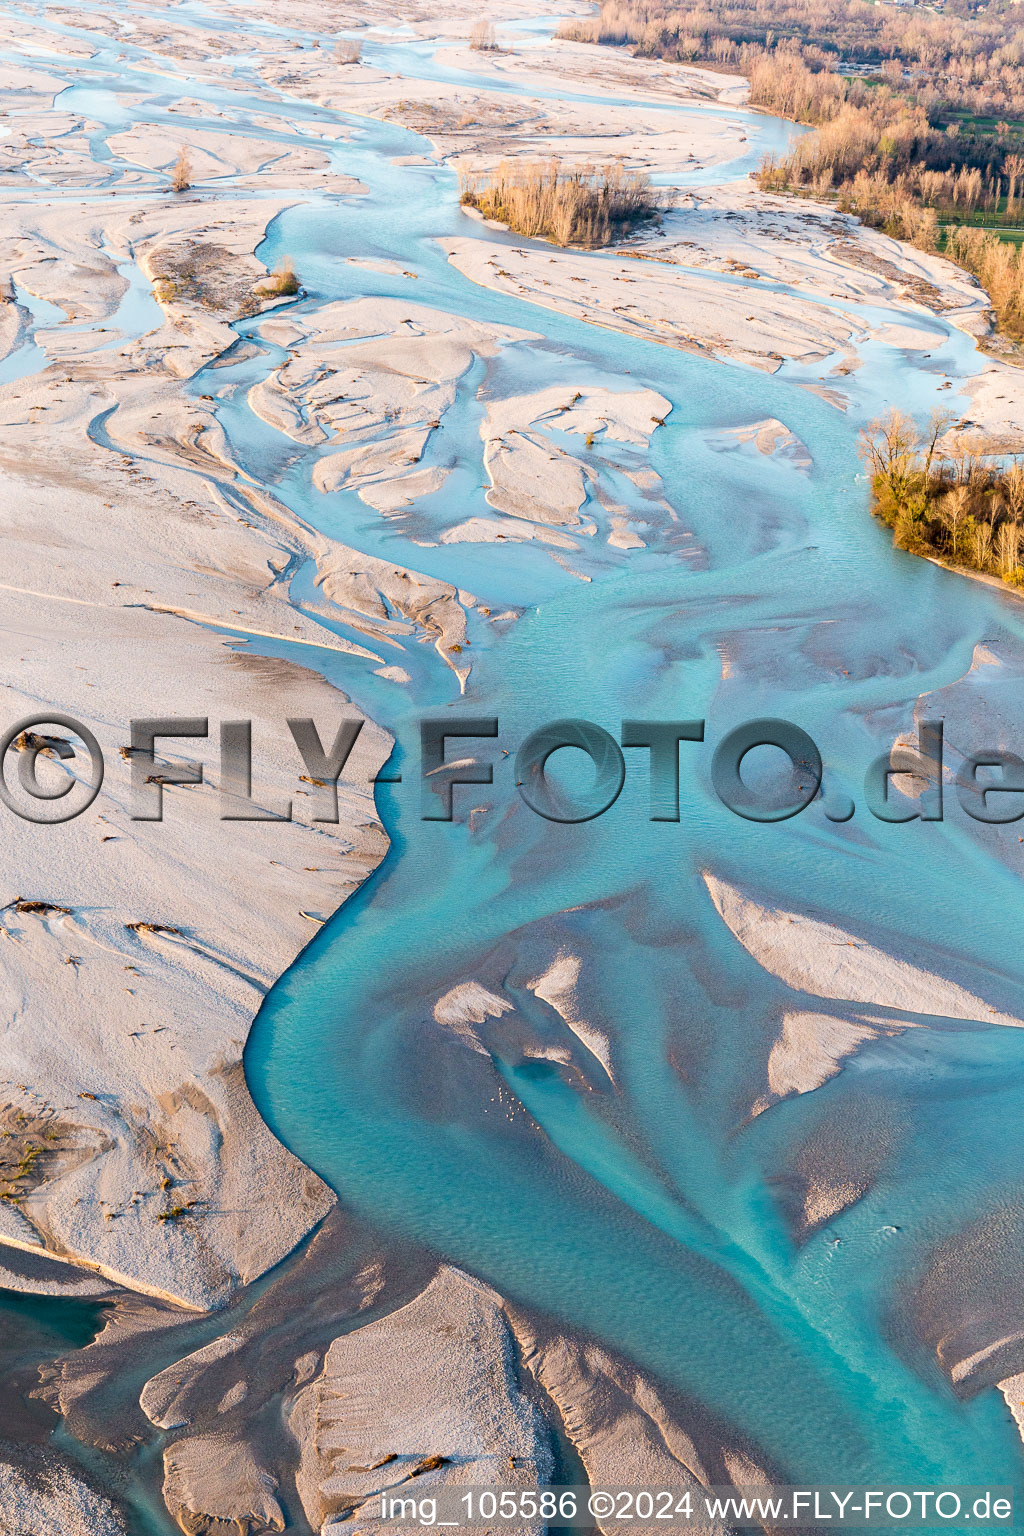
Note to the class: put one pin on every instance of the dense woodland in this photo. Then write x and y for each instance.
(960, 55)
(918, 112)
(943, 496)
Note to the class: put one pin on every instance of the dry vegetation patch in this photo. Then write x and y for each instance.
(583, 205)
(207, 276)
(195, 273)
(181, 172)
(34, 1146)
(483, 38)
(282, 282)
(964, 58)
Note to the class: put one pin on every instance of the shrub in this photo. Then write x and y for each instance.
(282, 281)
(348, 51)
(181, 172)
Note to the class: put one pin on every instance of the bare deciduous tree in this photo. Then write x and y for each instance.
(1008, 548)
(1014, 489)
(938, 425)
(890, 446)
(981, 545)
(181, 172)
(953, 509)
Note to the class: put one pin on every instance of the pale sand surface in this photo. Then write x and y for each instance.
(48, 1498)
(157, 549)
(818, 958)
(220, 156)
(661, 303)
(399, 1383)
(371, 381)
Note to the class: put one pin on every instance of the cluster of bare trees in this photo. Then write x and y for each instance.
(884, 133)
(884, 79)
(874, 162)
(483, 37)
(999, 268)
(886, 90)
(966, 57)
(942, 494)
(783, 83)
(889, 205)
(579, 205)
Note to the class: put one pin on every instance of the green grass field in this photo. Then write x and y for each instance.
(1012, 234)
